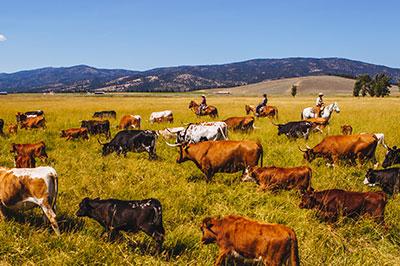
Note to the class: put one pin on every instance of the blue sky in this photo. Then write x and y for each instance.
(140, 35)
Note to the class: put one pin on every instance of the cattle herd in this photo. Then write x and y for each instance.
(207, 145)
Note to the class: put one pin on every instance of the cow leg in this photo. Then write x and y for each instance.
(2, 210)
(157, 236)
(223, 254)
(50, 214)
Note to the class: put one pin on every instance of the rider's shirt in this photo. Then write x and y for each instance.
(319, 101)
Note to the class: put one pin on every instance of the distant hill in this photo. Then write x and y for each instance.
(186, 78)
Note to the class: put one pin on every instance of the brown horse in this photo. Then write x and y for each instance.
(211, 110)
(266, 111)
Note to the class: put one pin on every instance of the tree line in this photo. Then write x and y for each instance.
(378, 86)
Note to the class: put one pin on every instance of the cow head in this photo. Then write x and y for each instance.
(280, 131)
(21, 117)
(107, 148)
(392, 157)
(85, 208)
(370, 178)
(308, 201)
(13, 148)
(183, 153)
(62, 134)
(309, 155)
(84, 123)
(249, 176)
(208, 235)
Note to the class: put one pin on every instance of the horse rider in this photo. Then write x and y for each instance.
(263, 103)
(320, 104)
(203, 104)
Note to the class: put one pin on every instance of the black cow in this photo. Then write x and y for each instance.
(97, 127)
(103, 114)
(1, 127)
(134, 141)
(392, 157)
(295, 129)
(387, 179)
(126, 215)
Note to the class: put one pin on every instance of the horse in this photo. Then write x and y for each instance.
(211, 110)
(311, 112)
(265, 111)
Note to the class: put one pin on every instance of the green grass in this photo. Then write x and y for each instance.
(182, 190)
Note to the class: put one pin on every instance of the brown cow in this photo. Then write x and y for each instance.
(240, 123)
(337, 147)
(319, 123)
(273, 244)
(130, 121)
(34, 122)
(346, 130)
(34, 149)
(25, 188)
(75, 133)
(333, 202)
(221, 156)
(278, 177)
(12, 128)
(24, 161)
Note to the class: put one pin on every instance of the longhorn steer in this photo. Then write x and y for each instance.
(278, 177)
(134, 141)
(25, 188)
(126, 215)
(237, 236)
(348, 147)
(227, 156)
(204, 131)
(240, 123)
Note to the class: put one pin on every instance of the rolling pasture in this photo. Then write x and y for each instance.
(182, 190)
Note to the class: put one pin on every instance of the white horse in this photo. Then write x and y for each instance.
(326, 113)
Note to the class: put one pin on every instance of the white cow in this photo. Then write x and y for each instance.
(161, 116)
(25, 188)
(204, 131)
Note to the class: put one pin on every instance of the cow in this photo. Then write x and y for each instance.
(35, 149)
(223, 156)
(392, 156)
(33, 122)
(130, 121)
(170, 132)
(333, 148)
(126, 215)
(277, 177)
(245, 123)
(12, 128)
(159, 117)
(96, 127)
(24, 161)
(387, 179)
(74, 133)
(21, 117)
(103, 114)
(334, 202)
(295, 129)
(319, 123)
(1, 128)
(134, 141)
(346, 130)
(203, 131)
(238, 236)
(25, 188)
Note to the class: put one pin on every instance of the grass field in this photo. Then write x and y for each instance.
(182, 190)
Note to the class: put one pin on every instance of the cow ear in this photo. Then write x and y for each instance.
(208, 222)
(394, 148)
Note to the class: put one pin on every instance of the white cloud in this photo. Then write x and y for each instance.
(2, 38)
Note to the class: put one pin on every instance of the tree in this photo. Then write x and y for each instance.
(362, 85)
(294, 90)
(380, 85)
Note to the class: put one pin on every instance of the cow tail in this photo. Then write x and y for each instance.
(302, 117)
(157, 221)
(222, 133)
(294, 251)
(54, 206)
(262, 156)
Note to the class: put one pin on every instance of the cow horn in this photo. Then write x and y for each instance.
(274, 124)
(302, 149)
(185, 124)
(174, 145)
(101, 142)
(308, 148)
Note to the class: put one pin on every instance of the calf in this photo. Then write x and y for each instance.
(34, 149)
(97, 127)
(387, 179)
(346, 130)
(273, 244)
(103, 114)
(123, 215)
(295, 129)
(170, 132)
(24, 161)
(12, 128)
(25, 188)
(130, 121)
(333, 202)
(278, 177)
(75, 133)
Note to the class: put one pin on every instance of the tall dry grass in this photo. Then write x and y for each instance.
(182, 190)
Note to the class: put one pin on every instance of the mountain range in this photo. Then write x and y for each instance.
(83, 78)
